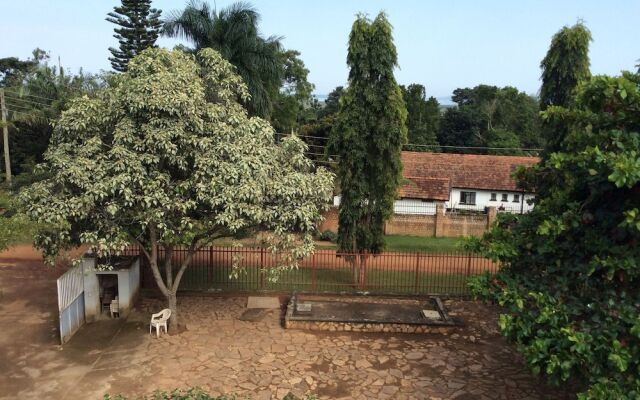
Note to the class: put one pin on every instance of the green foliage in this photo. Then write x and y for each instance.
(168, 157)
(332, 102)
(35, 96)
(504, 139)
(294, 104)
(13, 69)
(570, 282)
(368, 136)
(14, 227)
(198, 394)
(565, 65)
(316, 134)
(138, 29)
(423, 117)
(233, 31)
(488, 116)
(329, 236)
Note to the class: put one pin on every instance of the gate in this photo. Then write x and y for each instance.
(70, 302)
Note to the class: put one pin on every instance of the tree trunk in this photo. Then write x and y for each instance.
(363, 271)
(169, 288)
(355, 263)
(173, 306)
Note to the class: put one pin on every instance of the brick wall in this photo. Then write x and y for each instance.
(330, 222)
(414, 225)
(439, 225)
(463, 225)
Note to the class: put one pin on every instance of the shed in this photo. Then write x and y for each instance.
(121, 279)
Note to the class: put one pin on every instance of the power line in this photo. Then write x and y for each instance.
(30, 95)
(28, 101)
(11, 106)
(437, 145)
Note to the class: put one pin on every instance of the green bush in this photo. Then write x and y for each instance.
(196, 394)
(15, 227)
(570, 277)
(329, 236)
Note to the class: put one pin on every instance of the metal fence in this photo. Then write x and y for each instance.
(324, 271)
(422, 208)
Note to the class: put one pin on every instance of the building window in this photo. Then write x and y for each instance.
(505, 197)
(516, 198)
(468, 198)
(494, 197)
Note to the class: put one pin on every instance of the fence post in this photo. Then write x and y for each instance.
(439, 221)
(313, 272)
(492, 212)
(468, 265)
(261, 268)
(210, 269)
(417, 272)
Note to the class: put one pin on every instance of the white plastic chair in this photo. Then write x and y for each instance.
(159, 320)
(114, 307)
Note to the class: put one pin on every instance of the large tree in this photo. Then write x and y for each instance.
(570, 276)
(294, 105)
(168, 157)
(367, 137)
(489, 116)
(233, 31)
(138, 29)
(423, 118)
(565, 65)
(332, 102)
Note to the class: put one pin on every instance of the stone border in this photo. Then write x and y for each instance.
(308, 322)
(370, 327)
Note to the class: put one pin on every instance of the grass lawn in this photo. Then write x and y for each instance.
(423, 244)
(413, 244)
(325, 280)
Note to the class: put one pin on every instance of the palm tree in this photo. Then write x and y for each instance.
(233, 31)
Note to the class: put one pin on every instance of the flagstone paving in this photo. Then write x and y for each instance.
(223, 354)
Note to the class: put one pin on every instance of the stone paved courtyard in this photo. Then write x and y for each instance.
(223, 354)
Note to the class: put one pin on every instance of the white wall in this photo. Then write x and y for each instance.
(406, 206)
(483, 199)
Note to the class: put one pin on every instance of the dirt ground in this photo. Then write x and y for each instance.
(221, 353)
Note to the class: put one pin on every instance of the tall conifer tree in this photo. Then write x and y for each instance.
(565, 65)
(368, 137)
(139, 27)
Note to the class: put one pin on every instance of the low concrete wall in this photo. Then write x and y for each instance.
(369, 327)
(439, 225)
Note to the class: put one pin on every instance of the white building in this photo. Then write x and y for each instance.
(461, 182)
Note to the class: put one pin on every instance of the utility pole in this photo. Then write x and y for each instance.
(5, 137)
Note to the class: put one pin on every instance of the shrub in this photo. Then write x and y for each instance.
(329, 236)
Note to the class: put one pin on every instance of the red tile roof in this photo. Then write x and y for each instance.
(429, 171)
(425, 188)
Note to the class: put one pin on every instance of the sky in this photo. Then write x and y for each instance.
(441, 44)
